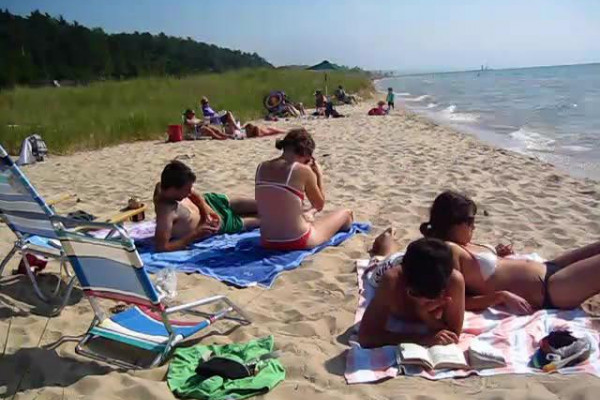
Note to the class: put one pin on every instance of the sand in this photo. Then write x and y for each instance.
(388, 170)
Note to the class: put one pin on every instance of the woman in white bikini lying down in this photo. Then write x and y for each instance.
(521, 285)
(281, 185)
(490, 278)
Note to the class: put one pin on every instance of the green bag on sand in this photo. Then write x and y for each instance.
(184, 382)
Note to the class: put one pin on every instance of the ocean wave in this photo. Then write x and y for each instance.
(533, 140)
(420, 98)
(431, 105)
(451, 114)
(403, 94)
(575, 148)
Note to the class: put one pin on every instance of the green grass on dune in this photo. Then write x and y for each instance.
(112, 112)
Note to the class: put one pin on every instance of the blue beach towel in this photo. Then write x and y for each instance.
(237, 259)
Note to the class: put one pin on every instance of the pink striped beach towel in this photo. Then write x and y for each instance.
(516, 336)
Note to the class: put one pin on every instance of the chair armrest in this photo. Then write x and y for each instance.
(125, 215)
(60, 198)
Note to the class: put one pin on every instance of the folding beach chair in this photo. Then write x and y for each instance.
(27, 214)
(111, 268)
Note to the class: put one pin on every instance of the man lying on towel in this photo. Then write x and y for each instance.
(184, 216)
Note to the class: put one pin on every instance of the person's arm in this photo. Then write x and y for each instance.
(164, 228)
(313, 189)
(483, 301)
(199, 202)
(373, 327)
(454, 311)
(512, 302)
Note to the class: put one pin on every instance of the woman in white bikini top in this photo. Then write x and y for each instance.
(281, 184)
(521, 285)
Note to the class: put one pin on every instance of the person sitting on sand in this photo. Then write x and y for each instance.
(522, 286)
(380, 109)
(321, 102)
(425, 288)
(191, 125)
(251, 131)
(213, 117)
(183, 216)
(280, 188)
(342, 96)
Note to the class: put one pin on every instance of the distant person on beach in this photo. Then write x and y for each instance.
(342, 96)
(194, 128)
(390, 98)
(213, 117)
(379, 110)
(251, 131)
(281, 185)
(424, 287)
(324, 107)
(184, 216)
(492, 279)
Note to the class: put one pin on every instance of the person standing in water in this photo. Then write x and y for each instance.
(280, 187)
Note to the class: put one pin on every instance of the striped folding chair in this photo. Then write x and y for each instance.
(27, 214)
(111, 268)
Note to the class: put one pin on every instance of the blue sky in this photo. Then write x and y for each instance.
(416, 35)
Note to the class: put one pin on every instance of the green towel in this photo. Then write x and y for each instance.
(184, 382)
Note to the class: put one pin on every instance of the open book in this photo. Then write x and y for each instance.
(435, 357)
(481, 355)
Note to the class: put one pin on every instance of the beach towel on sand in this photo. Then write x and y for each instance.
(236, 258)
(185, 383)
(516, 336)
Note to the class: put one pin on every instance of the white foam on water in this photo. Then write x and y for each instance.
(533, 140)
(403, 94)
(431, 105)
(576, 149)
(417, 99)
(451, 114)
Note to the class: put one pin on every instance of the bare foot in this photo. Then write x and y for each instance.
(385, 244)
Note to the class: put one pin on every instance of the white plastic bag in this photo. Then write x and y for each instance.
(166, 283)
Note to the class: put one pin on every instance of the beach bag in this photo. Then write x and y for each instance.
(33, 149)
(38, 147)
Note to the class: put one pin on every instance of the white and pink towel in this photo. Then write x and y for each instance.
(516, 336)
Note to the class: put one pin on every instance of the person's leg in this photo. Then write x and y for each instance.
(213, 132)
(243, 206)
(229, 118)
(267, 131)
(385, 244)
(323, 228)
(250, 223)
(576, 255)
(575, 283)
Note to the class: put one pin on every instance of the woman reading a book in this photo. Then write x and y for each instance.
(493, 278)
(426, 287)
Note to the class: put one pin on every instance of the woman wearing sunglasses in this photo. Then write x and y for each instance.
(520, 285)
(280, 187)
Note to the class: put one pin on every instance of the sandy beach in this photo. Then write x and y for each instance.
(388, 170)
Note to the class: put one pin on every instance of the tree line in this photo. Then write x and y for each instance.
(39, 48)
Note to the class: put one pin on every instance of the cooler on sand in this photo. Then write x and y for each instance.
(175, 133)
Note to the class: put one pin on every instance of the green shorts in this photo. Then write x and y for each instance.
(230, 221)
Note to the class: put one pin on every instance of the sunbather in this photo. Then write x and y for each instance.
(426, 288)
(194, 128)
(214, 118)
(380, 109)
(281, 185)
(251, 131)
(522, 286)
(183, 216)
